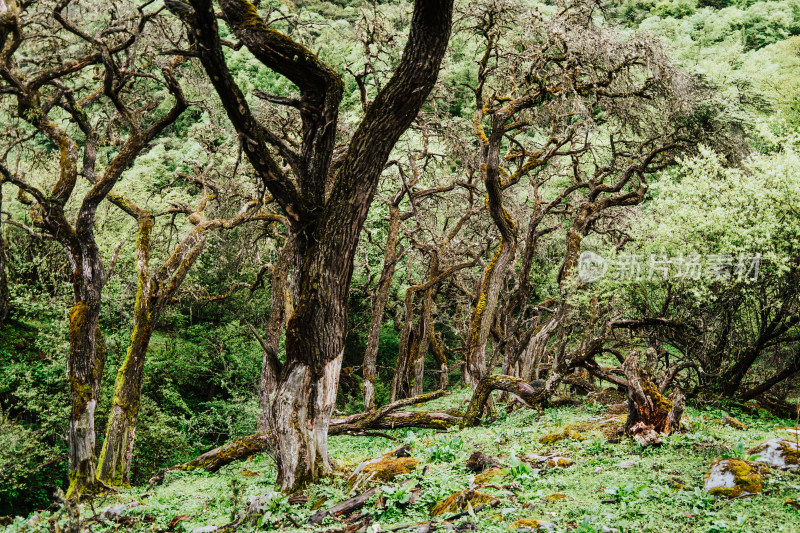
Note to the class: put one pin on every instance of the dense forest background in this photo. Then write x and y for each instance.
(724, 91)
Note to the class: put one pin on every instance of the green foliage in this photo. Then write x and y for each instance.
(520, 470)
(33, 410)
(273, 510)
(446, 449)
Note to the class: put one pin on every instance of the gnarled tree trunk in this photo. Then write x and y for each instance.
(649, 412)
(154, 292)
(280, 309)
(326, 208)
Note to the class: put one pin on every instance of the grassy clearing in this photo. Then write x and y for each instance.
(661, 491)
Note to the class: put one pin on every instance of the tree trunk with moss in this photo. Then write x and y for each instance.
(117, 452)
(154, 292)
(87, 347)
(326, 207)
(484, 311)
(649, 412)
(87, 353)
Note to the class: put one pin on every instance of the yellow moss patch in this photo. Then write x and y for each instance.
(747, 477)
(561, 462)
(552, 438)
(458, 502)
(489, 476)
(555, 497)
(389, 468)
(527, 522)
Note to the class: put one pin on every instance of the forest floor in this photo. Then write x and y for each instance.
(611, 483)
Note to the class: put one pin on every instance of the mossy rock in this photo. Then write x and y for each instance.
(778, 453)
(489, 476)
(732, 478)
(383, 468)
(455, 503)
(558, 462)
(552, 438)
(529, 524)
(732, 422)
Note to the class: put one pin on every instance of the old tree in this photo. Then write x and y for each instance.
(325, 196)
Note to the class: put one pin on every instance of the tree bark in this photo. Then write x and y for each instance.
(117, 451)
(154, 292)
(280, 309)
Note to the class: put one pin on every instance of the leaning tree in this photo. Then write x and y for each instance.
(324, 195)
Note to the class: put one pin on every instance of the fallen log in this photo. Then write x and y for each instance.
(378, 419)
(348, 506)
(212, 460)
(529, 394)
(357, 424)
(237, 449)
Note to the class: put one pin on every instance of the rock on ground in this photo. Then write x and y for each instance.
(733, 478)
(458, 502)
(533, 525)
(778, 453)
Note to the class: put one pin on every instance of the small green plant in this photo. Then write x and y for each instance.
(588, 525)
(273, 509)
(519, 470)
(556, 416)
(739, 451)
(397, 500)
(598, 447)
(446, 450)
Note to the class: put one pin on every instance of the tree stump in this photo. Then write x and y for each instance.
(650, 413)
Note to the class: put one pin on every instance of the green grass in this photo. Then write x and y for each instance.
(598, 491)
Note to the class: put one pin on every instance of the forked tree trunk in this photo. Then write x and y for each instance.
(154, 292)
(483, 313)
(650, 414)
(326, 207)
